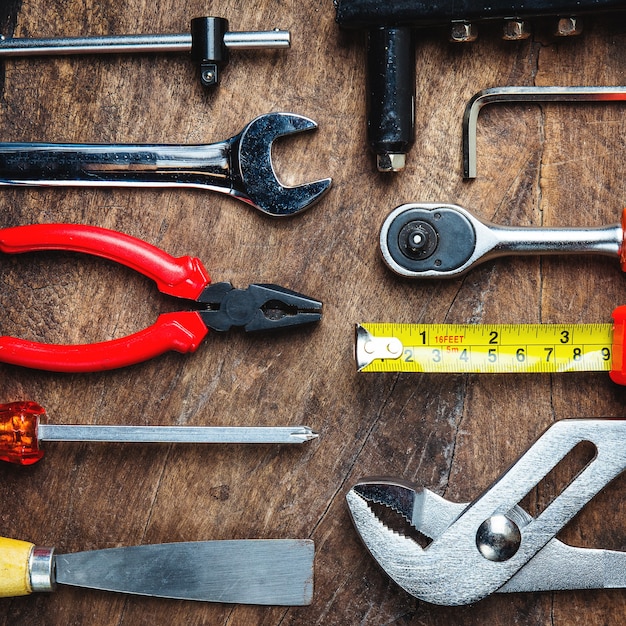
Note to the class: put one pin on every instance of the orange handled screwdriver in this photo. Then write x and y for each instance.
(21, 431)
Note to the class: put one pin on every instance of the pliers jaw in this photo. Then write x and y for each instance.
(492, 544)
(394, 493)
(257, 308)
(399, 556)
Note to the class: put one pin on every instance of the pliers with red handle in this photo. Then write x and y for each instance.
(218, 306)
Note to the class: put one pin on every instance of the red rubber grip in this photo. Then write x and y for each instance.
(618, 354)
(182, 332)
(184, 277)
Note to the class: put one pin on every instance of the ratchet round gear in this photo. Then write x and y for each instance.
(426, 238)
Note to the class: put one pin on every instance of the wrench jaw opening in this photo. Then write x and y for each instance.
(255, 180)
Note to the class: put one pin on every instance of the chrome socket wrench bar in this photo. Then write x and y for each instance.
(209, 43)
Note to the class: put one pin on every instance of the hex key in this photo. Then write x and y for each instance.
(525, 94)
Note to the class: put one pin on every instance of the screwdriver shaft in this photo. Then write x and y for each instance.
(117, 44)
(175, 434)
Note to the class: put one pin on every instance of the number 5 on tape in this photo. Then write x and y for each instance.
(494, 348)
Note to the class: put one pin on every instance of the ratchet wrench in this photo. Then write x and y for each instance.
(240, 166)
(425, 240)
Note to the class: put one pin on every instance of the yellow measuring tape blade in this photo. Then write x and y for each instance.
(483, 348)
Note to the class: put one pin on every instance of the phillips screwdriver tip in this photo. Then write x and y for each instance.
(302, 434)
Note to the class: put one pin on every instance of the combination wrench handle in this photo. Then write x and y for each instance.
(135, 165)
(240, 166)
(446, 241)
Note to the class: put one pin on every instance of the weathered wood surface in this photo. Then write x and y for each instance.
(551, 165)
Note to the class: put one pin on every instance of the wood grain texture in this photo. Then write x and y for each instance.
(537, 165)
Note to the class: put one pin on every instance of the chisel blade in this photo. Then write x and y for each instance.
(251, 571)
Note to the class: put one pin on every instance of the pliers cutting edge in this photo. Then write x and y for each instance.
(219, 305)
(492, 544)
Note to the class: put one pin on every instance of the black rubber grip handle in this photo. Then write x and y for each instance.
(368, 13)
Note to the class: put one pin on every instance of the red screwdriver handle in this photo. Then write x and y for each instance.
(181, 332)
(18, 432)
(184, 277)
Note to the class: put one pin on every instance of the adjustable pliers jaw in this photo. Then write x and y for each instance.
(257, 308)
(492, 544)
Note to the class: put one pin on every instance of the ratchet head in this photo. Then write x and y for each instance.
(433, 240)
(445, 240)
(257, 182)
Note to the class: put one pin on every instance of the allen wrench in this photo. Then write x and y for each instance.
(525, 94)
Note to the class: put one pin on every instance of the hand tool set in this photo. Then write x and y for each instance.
(463, 552)
(489, 545)
(244, 571)
(391, 31)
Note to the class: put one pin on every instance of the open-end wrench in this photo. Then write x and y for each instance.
(240, 166)
(445, 241)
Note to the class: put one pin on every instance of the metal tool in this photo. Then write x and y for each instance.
(240, 166)
(525, 94)
(391, 27)
(218, 306)
(483, 348)
(245, 571)
(209, 44)
(492, 544)
(21, 432)
(493, 348)
(427, 240)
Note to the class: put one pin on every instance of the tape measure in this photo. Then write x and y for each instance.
(493, 348)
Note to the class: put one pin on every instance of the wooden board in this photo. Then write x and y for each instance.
(537, 165)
